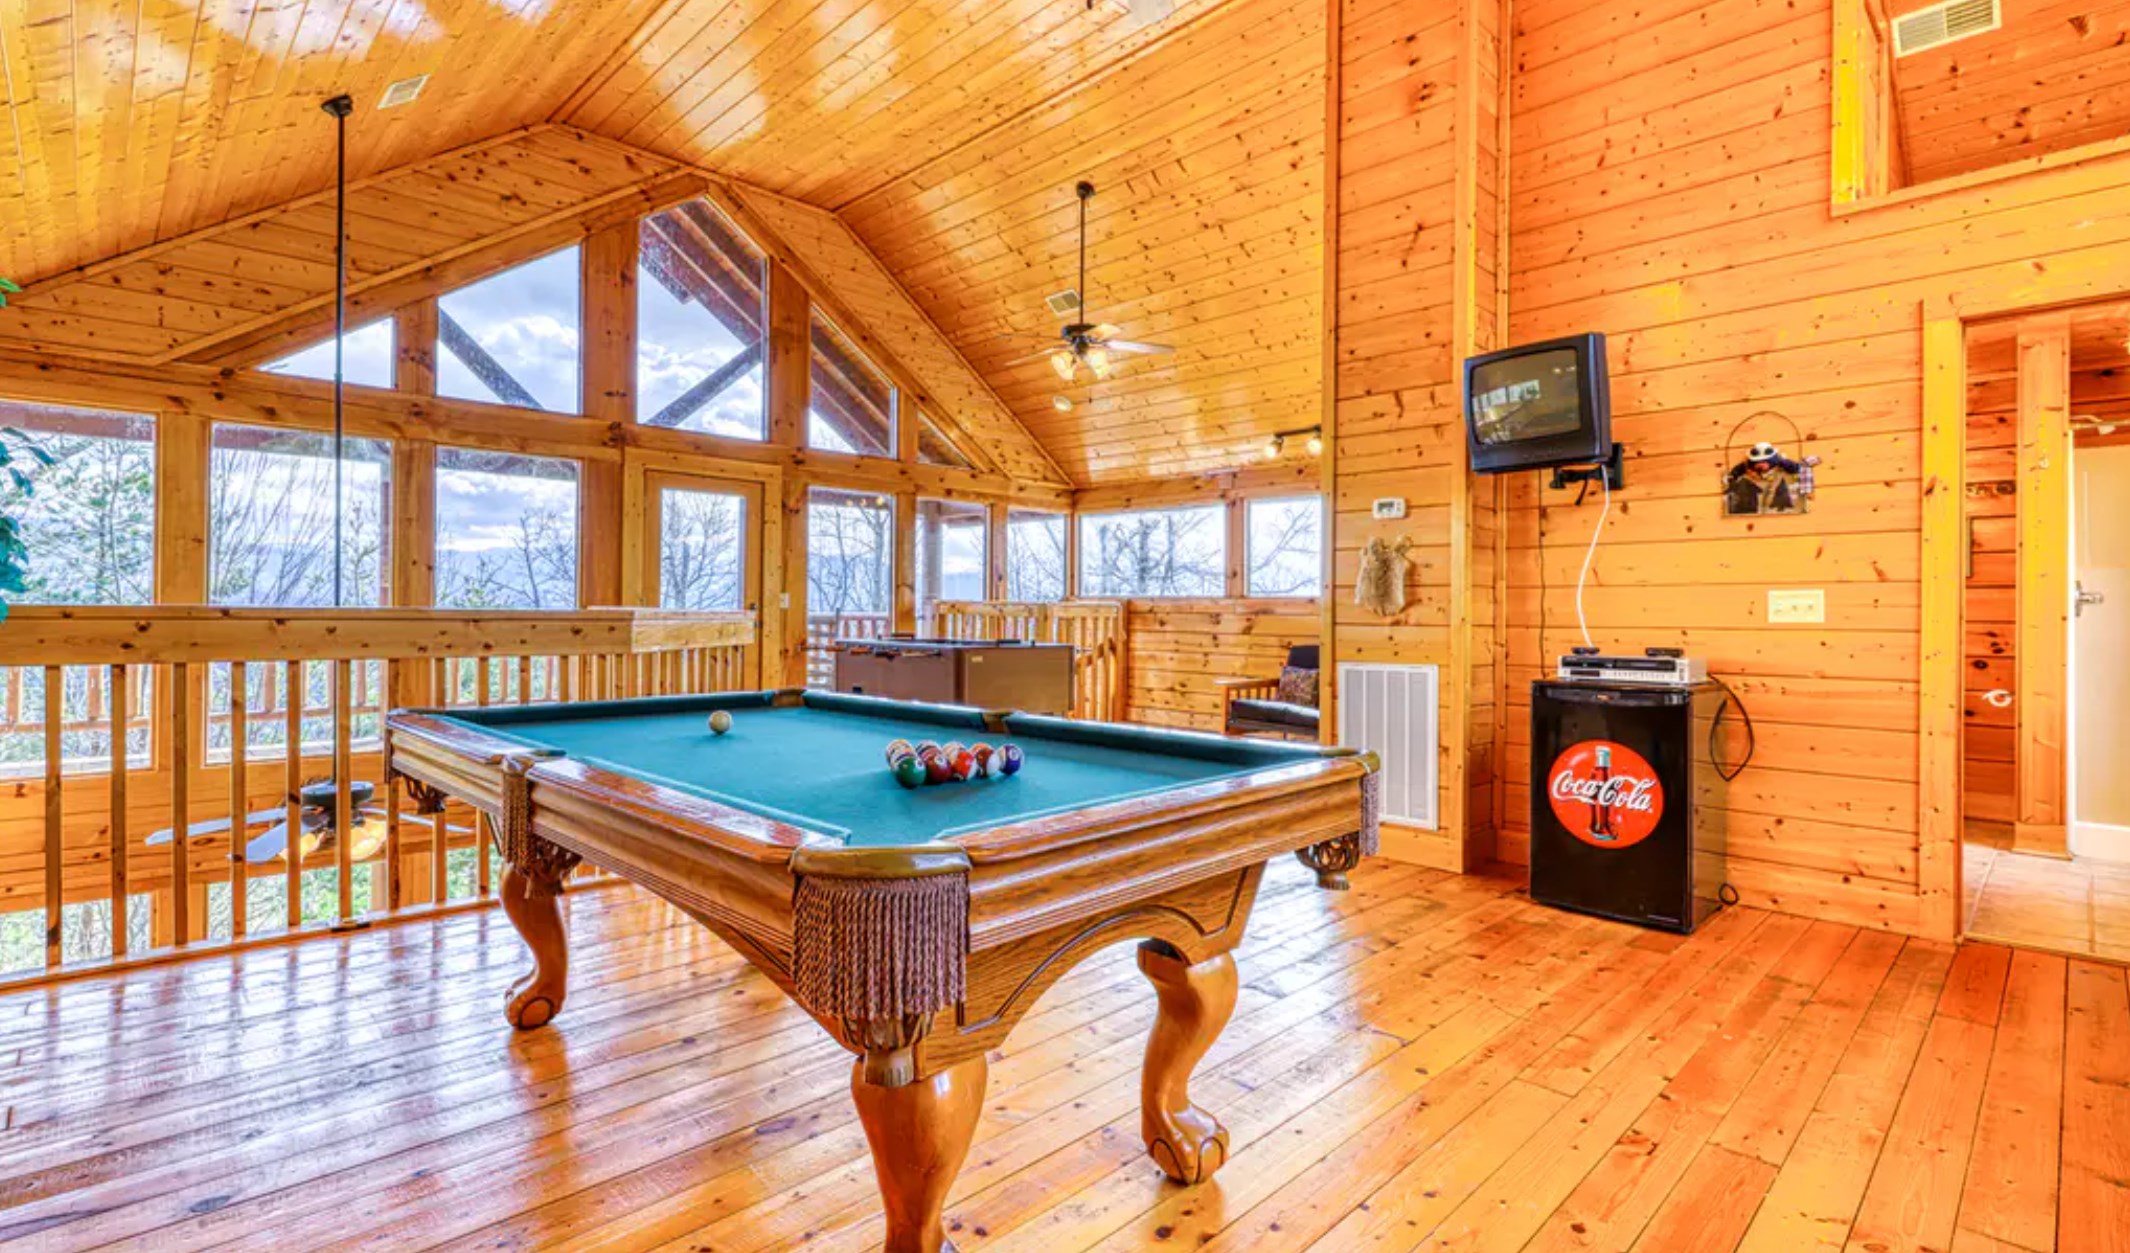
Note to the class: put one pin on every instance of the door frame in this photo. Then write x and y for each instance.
(1941, 772)
(646, 475)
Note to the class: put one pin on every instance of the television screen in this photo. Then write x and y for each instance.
(1524, 398)
(1539, 405)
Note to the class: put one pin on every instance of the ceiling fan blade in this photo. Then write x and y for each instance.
(268, 846)
(1032, 357)
(1135, 347)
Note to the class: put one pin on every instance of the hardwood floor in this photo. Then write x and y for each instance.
(2078, 907)
(1427, 1062)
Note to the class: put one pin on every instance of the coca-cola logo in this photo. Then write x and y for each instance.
(1605, 794)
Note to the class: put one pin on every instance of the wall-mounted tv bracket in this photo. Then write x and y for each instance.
(1613, 470)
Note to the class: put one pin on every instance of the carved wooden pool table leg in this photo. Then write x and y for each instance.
(532, 904)
(920, 1133)
(1188, 1143)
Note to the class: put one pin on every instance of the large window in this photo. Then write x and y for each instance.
(271, 519)
(850, 581)
(853, 405)
(88, 518)
(513, 338)
(506, 531)
(1154, 552)
(953, 549)
(702, 549)
(699, 335)
(1035, 555)
(367, 362)
(1286, 547)
(935, 449)
(87, 525)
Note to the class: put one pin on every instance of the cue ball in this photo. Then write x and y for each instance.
(720, 722)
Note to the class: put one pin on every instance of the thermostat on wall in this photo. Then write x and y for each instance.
(1390, 507)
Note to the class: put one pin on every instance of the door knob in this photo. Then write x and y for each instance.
(2085, 598)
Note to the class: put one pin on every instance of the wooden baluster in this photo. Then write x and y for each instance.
(239, 801)
(54, 816)
(439, 870)
(485, 670)
(119, 921)
(343, 798)
(482, 842)
(180, 803)
(292, 777)
(524, 680)
(394, 892)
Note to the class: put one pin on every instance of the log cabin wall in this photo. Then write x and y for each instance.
(1418, 261)
(1988, 739)
(1177, 651)
(1670, 186)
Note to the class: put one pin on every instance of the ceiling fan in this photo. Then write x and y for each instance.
(1084, 345)
(315, 802)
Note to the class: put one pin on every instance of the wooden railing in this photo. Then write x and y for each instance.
(1095, 629)
(84, 847)
(822, 632)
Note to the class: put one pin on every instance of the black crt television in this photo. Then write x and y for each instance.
(1539, 405)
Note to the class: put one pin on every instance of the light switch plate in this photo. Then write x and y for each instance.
(1797, 605)
(1389, 507)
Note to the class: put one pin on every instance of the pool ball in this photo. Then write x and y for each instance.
(951, 747)
(937, 769)
(910, 772)
(963, 764)
(983, 754)
(898, 749)
(720, 722)
(925, 748)
(1009, 758)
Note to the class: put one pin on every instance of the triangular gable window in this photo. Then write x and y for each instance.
(513, 338)
(366, 363)
(934, 448)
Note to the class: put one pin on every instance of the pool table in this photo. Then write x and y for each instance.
(916, 925)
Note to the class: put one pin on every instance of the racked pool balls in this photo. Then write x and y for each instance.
(937, 769)
(898, 749)
(1009, 758)
(983, 754)
(963, 764)
(720, 722)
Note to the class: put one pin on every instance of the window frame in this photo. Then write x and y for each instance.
(1316, 591)
(441, 351)
(1066, 521)
(436, 527)
(1215, 510)
(764, 350)
(817, 319)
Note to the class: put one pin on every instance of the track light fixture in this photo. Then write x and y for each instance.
(1312, 435)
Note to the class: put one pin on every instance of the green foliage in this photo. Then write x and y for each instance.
(14, 554)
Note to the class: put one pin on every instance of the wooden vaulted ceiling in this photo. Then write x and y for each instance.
(2055, 76)
(946, 134)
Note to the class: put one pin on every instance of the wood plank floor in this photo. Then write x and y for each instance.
(1426, 1062)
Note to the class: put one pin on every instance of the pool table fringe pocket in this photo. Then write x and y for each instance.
(545, 865)
(874, 949)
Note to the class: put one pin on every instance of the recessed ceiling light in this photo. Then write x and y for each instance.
(1063, 404)
(403, 92)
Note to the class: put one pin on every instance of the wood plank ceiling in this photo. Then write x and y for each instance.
(947, 133)
(2055, 76)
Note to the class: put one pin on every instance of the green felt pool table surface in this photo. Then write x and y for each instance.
(821, 765)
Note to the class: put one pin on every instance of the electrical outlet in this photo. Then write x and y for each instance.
(1797, 605)
(784, 600)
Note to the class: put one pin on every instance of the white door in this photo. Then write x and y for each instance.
(2100, 656)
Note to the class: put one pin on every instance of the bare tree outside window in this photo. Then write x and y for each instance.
(850, 548)
(89, 521)
(1035, 555)
(1286, 547)
(506, 531)
(270, 518)
(702, 549)
(1155, 552)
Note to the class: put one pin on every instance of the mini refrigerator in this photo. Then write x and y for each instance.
(1627, 816)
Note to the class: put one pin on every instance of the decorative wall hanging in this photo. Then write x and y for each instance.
(1759, 475)
(1379, 586)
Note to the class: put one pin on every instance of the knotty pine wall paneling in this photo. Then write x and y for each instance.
(1669, 186)
(1419, 259)
(1176, 651)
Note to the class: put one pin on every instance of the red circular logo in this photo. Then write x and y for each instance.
(1606, 794)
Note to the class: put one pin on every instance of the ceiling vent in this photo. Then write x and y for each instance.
(1144, 12)
(1941, 24)
(403, 92)
(1065, 304)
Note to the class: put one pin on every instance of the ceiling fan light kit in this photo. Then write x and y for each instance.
(1082, 345)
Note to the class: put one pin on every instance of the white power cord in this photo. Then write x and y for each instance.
(1590, 555)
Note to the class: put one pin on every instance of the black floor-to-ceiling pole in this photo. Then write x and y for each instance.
(339, 107)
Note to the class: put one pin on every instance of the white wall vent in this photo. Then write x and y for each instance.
(1941, 24)
(403, 92)
(1065, 304)
(1391, 711)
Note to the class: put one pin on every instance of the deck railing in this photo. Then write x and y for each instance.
(1095, 629)
(91, 871)
(822, 632)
